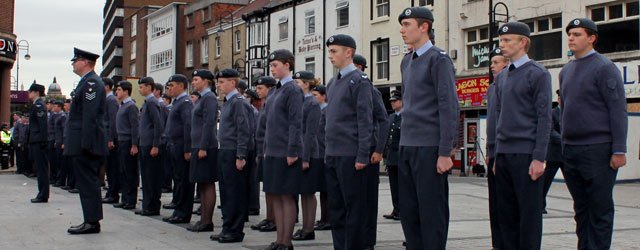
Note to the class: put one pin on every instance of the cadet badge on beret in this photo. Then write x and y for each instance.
(195, 72)
(297, 75)
(576, 22)
(273, 56)
(331, 39)
(407, 12)
(505, 29)
(498, 51)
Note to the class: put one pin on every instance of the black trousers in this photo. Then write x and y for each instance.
(167, 170)
(112, 165)
(549, 172)
(392, 173)
(233, 193)
(53, 162)
(63, 171)
(373, 182)
(519, 202)
(182, 189)
(254, 184)
(424, 198)
(129, 173)
(20, 160)
(496, 236)
(39, 153)
(590, 180)
(86, 169)
(151, 176)
(347, 194)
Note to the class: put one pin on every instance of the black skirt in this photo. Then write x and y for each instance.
(280, 178)
(312, 179)
(204, 170)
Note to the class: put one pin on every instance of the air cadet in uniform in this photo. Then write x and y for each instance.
(391, 156)
(59, 123)
(167, 172)
(38, 135)
(264, 89)
(594, 141)
(523, 99)
(51, 150)
(112, 162)
(86, 139)
(498, 63)
(320, 93)
(235, 139)
(204, 147)
(378, 142)
(427, 133)
(554, 152)
(178, 132)
(127, 124)
(312, 172)
(19, 142)
(151, 128)
(283, 146)
(349, 118)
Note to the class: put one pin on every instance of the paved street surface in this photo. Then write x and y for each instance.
(43, 226)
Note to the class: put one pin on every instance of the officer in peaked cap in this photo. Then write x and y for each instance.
(85, 143)
(38, 137)
(391, 155)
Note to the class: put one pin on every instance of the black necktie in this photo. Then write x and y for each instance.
(339, 75)
(415, 55)
(278, 85)
(512, 67)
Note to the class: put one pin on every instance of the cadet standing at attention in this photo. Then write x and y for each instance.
(86, 141)
(427, 133)
(595, 142)
(178, 132)
(523, 113)
(38, 136)
(112, 161)
(127, 123)
(349, 119)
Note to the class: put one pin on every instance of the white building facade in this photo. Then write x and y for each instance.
(161, 42)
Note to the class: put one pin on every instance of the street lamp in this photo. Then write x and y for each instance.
(492, 21)
(220, 31)
(21, 46)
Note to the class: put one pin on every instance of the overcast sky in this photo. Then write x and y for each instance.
(52, 29)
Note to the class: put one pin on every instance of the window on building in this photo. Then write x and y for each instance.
(310, 22)
(204, 50)
(283, 27)
(161, 60)
(132, 70)
(218, 47)
(256, 34)
(381, 59)
(189, 54)
(133, 49)
(342, 12)
(546, 38)
(477, 48)
(134, 25)
(189, 20)
(382, 8)
(161, 27)
(618, 22)
(206, 14)
(237, 39)
(425, 2)
(310, 64)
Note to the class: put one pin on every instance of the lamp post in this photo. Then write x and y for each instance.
(220, 31)
(21, 46)
(492, 21)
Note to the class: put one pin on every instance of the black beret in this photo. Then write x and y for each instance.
(252, 94)
(360, 60)
(228, 73)
(266, 80)
(321, 89)
(147, 79)
(582, 23)
(304, 75)
(242, 84)
(58, 102)
(78, 54)
(49, 101)
(516, 28)
(495, 52)
(280, 55)
(37, 88)
(159, 87)
(416, 12)
(204, 73)
(124, 84)
(178, 78)
(343, 40)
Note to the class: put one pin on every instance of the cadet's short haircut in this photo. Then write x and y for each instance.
(108, 82)
(125, 86)
(159, 87)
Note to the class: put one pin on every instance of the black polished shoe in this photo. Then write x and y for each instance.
(544, 211)
(169, 206)
(254, 212)
(260, 224)
(74, 191)
(390, 216)
(322, 226)
(110, 200)
(284, 247)
(272, 246)
(65, 187)
(227, 238)
(396, 217)
(145, 212)
(215, 237)
(166, 190)
(176, 220)
(39, 200)
(85, 228)
(199, 227)
(269, 227)
(302, 235)
(57, 184)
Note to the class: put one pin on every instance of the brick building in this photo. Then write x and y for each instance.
(8, 52)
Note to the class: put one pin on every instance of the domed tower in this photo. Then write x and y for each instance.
(54, 90)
